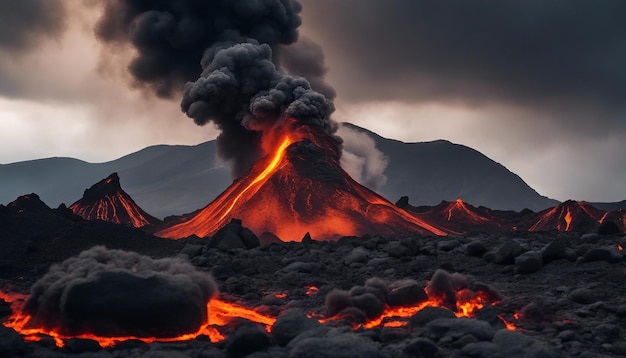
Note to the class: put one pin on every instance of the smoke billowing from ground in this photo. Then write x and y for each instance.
(361, 159)
(120, 293)
(233, 47)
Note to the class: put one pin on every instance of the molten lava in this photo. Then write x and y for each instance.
(107, 201)
(220, 314)
(569, 216)
(300, 187)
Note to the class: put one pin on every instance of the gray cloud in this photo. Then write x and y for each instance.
(25, 24)
(118, 293)
(522, 52)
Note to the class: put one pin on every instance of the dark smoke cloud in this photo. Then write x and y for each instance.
(305, 58)
(544, 53)
(119, 293)
(231, 46)
(170, 36)
(25, 23)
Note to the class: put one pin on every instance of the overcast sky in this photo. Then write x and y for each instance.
(538, 85)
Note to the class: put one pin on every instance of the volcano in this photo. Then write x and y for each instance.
(570, 216)
(459, 217)
(107, 201)
(300, 187)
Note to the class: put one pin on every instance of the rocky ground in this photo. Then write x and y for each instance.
(565, 293)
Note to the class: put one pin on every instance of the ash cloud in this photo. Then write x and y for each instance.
(225, 53)
(120, 293)
(361, 159)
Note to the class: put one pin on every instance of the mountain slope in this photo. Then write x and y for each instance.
(167, 180)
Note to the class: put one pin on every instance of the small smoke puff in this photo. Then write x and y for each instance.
(378, 287)
(371, 305)
(336, 301)
(361, 159)
(119, 293)
(445, 285)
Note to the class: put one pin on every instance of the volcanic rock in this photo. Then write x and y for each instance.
(456, 328)
(513, 344)
(11, 343)
(107, 201)
(406, 293)
(555, 250)
(421, 347)
(505, 253)
(429, 314)
(290, 324)
(78, 345)
(606, 253)
(343, 346)
(246, 340)
(528, 262)
(234, 236)
(475, 248)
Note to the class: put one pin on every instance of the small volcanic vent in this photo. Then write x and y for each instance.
(107, 201)
(570, 216)
(459, 216)
(30, 203)
(301, 188)
(618, 217)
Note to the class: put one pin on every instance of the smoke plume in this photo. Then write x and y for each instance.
(361, 159)
(224, 55)
(119, 293)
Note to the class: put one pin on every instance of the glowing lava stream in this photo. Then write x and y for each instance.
(278, 157)
(568, 220)
(220, 313)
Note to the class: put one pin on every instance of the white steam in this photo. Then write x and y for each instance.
(361, 159)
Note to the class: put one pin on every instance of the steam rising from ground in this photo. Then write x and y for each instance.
(120, 293)
(231, 50)
(361, 159)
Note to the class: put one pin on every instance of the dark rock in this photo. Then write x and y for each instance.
(481, 350)
(405, 293)
(344, 346)
(458, 327)
(357, 255)
(447, 245)
(555, 250)
(475, 248)
(607, 253)
(584, 296)
(245, 340)
(421, 347)
(307, 239)
(396, 249)
(428, 314)
(11, 343)
(507, 252)
(336, 301)
(79, 345)
(192, 250)
(609, 228)
(528, 262)
(619, 348)
(514, 344)
(234, 236)
(370, 304)
(490, 315)
(290, 324)
(532, 312)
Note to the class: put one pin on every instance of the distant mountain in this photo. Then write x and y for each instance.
(106, 201)
(167, 180)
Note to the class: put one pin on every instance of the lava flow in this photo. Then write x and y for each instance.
(220, 314)
(301, 188)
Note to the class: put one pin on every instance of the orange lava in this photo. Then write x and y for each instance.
(220, 313)
(459, 206)
(619, 247)
(289, 195)
(107, 210)
(311, 290)
(568, 220)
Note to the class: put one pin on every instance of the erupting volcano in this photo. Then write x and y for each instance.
(107, 201)
(300, 187)
(458, 216)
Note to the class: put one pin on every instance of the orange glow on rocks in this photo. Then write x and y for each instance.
(300, 187)
(220, 314)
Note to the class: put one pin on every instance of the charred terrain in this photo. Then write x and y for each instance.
(496, 293)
